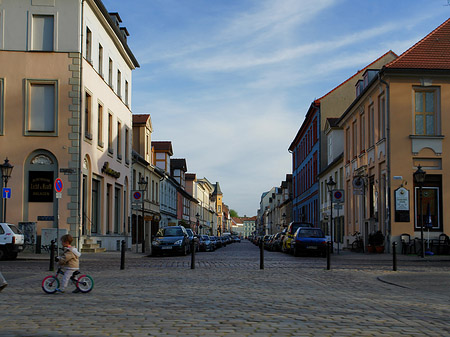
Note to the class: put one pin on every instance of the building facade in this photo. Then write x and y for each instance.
(73, 120)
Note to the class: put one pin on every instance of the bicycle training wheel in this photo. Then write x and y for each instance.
(50, 284)
(85, 283)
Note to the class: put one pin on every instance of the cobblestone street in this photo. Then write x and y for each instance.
(228, 295)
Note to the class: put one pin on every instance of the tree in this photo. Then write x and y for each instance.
(233, 213)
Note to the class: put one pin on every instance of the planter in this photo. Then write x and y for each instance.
(370, 249)
(379, 249)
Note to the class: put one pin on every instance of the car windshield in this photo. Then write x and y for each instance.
(189, 231)
(172, 232)
(310, 233)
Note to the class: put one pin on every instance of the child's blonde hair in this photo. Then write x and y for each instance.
(67, 238)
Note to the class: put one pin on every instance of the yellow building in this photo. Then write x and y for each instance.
(396, 124)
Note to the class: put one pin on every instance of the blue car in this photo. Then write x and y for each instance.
(309, 240)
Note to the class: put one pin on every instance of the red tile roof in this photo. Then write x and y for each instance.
(163, 146)
(140, 118)
(317, 101)
(432, 52)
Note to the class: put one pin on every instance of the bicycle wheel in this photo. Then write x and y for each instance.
(50, 284)
(85, 283)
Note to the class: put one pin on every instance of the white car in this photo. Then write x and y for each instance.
(11, 241)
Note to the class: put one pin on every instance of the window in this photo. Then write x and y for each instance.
(110, 73)
(126, 92)
(127, 145)
(355, 139)
(87, 116)
(371, 125)
(119, 140)
(117, 194)
(88, 45)
(1, 106)
(119, 83)
(425, 112)
(100, 60)
(100, 125)
(347, 144)
(42, 32)
(110, 149)
(381, 117)
(362, 132)
(95, 206)
(41, 107)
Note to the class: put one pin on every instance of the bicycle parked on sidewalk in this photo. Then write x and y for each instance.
(358, 244)
(84, 283)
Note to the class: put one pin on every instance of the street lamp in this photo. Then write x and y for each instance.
(419, 178)
(142, 187)
(330, 186)
(6, 174)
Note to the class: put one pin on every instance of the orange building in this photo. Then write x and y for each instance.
(396, 124)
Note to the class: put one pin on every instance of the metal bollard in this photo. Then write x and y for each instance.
(261, 255)
(394, 256)
(193, 254)
(52, 256)
(122, 255)
(328, 255)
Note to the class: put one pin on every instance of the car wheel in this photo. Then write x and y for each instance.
(2, 253)
(296, 251)
(185, 251)
(12, 255)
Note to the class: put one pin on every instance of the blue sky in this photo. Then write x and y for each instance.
(229, 81)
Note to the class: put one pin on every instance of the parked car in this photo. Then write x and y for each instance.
(205, 243)
(192, 237)
(292, 228)
(172, 239)
(11, 241)
(214, 242)
(277, 242)
(309, 240)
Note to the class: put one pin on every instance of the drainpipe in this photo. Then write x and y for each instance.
(79, 168)
(388, 165)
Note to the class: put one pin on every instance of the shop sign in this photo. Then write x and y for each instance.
(40, 186)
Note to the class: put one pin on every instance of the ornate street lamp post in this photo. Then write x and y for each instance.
(6, 174)
(419, 178)
(143, 187)
(330, 186)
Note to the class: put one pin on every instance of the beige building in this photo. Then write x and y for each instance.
(66, 112)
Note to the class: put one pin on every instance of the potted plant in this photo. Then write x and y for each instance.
(376, 240)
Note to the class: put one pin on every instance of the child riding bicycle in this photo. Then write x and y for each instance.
(69, 260)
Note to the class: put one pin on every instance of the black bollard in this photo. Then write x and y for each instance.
(261, 254)
(52, 256)
(394, 256)
(328, 255)
(193, 254)
(122, 255)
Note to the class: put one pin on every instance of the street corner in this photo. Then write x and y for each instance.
(436, 282)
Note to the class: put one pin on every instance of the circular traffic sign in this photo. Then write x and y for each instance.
(58, 185)
(137, 195)
(338, 195)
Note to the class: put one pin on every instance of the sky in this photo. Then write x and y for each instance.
(229, 81)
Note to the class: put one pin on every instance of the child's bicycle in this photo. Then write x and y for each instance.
(84, 283)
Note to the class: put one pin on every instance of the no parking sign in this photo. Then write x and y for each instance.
(337, 196)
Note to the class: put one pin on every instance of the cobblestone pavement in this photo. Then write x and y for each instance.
(228, 295)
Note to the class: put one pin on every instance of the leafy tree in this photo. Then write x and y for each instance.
(233, 213)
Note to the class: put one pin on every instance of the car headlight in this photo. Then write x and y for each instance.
(178, 243)
(155, 243)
